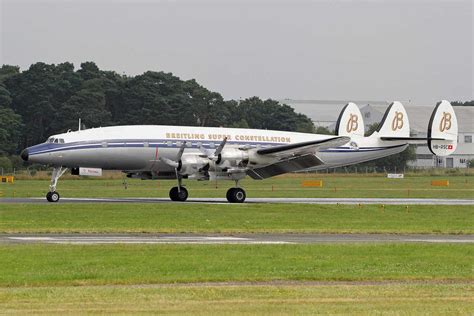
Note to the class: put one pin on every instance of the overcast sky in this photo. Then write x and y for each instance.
(345, 50)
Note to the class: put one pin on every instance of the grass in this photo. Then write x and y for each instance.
(126, 279)
(286, 186)
(398, 299)
(244, 218)
(60, 265)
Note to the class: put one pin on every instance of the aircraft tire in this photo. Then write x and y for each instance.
(53, 196)
(236, 195)
(180, 196)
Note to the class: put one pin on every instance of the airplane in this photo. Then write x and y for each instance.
(217, 153)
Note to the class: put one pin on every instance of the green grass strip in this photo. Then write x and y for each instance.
(47, 265)
(397, 299)
(246, 218)
(339, 186)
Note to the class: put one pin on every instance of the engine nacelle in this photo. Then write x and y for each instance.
(233, 157)
(192, 163)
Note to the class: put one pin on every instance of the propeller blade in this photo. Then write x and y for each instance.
(180, 152)
(169, 162)
(221, 146)
(206, 152)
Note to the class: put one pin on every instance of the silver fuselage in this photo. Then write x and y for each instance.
(139, 148)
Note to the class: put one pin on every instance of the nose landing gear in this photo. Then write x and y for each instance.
(52, 195)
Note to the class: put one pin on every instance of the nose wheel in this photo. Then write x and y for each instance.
(178, 194)
(236, 195)
(52, 195)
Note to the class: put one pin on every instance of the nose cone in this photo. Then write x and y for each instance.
(24, 154)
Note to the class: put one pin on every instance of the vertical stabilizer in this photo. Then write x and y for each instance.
(443, 130)
(350, 122)
(394, 122)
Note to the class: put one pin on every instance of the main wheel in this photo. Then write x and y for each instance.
(52, 196)
(181, 195)
(236, 195)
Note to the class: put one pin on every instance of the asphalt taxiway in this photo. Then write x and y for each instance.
(350, 201)
(230, 239)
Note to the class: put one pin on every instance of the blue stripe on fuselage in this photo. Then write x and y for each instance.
(153, 143)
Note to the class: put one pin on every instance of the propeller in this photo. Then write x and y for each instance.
(176, 163)
(216, 155)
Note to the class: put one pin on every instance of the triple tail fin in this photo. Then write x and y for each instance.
(350, 122)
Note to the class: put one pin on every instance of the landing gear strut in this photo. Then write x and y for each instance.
(236, 195)
(179, 193)
(52, 195)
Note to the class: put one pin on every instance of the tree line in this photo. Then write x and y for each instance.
(48, 99)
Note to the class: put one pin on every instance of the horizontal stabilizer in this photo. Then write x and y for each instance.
(303, 146)
(408, 139)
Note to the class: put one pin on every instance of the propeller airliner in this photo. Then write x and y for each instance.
(215, 153)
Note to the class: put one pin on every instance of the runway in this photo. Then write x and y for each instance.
(92, 239)
(348, 201)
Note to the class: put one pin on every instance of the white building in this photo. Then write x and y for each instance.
(325, 113)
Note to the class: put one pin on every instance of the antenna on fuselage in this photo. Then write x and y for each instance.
(79, 124)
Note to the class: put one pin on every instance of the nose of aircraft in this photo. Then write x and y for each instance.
(24, 155)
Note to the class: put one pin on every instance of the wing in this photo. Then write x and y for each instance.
(293, 157)
(304, 147)
(284, 166)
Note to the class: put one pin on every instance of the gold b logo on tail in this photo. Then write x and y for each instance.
(397, 122)
(352, 123)
(445, 123)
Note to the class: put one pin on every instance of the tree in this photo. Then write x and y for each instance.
(49, 99)
(7, 71)
(10, 130)
(460, 103)
(323, 130)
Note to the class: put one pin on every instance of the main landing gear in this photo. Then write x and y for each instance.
(52, 195)
(178, 194)
(236, 195)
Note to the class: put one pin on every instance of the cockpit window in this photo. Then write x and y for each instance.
(55, 140)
